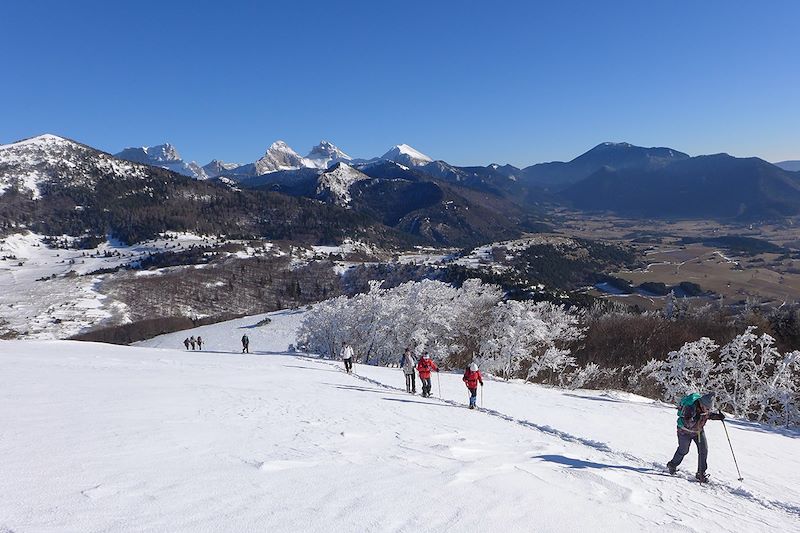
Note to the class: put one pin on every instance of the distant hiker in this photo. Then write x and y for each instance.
(347, 357)
(192, 341)
(245, 343)
(186, 342)
(472, 376)
(694, 411)
(199, 342)
(408, 363)
(424, 367)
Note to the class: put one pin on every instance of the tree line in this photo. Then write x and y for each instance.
(659, 355)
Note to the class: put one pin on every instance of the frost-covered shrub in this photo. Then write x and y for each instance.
(382, 323)
(750, 377)
(455, 325)
(556, 360)
(685, 370)
(586, 376)
(526, 338)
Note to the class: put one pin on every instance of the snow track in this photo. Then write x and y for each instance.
(643, 466)
(111, 438)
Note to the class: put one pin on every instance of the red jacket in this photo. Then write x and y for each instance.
(425, 366)
(472, 378)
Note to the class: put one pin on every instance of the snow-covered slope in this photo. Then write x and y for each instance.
(48, 292)
(334, 184)
(164, 156)
(155, 438)
(406, 155)
(279, 156)
(30, 165)
(325, 155)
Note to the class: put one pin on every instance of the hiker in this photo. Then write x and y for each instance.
(694, 411)
(245, 343)
(192, 341)
(199, 342)
(347, 357)
(472, 376)
(186, 342)
(424, 367)
(408, 363)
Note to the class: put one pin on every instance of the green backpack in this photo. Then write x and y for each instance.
(687, 402)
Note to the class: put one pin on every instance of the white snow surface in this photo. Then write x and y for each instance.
(45, 292)
(154, 438)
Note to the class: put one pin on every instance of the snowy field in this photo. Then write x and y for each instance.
(46, 293)
(52, 293)
(154, 438)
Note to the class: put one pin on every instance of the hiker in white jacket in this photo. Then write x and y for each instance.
(409, 364)
(347, 357)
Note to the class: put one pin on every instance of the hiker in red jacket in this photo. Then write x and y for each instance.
(472, 376)
(424, 367)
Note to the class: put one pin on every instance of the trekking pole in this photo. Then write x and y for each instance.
(439, 384)
(482, 397)
(733, 454)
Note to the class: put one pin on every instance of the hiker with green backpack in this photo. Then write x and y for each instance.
(694, 411)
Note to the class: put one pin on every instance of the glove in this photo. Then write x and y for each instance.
(481, 383)
(717, 416)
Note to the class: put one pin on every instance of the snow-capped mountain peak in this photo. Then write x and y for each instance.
(44, 139)
(33, 165)
(163, 153)
(335, 183)
(406, 155)
(217, 167)
(279, 156)
(164, 156)
(325, 154)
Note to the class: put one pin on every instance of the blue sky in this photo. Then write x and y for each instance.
(468, 82)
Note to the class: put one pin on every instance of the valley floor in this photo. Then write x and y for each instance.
(154, 438)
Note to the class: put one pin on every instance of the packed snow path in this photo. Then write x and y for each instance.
(105, 438)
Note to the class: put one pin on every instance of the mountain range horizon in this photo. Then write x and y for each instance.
(167, 151)
(400, 194)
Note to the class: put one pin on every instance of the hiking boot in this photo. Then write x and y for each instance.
(701, 477)
(672, 468)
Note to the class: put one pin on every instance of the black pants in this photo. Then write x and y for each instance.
(426, 386)
(684, 441)
(348, 364)
(246, 348)
(411, 383)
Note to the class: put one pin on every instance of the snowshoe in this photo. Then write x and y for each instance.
(701, 478)
(472, 407)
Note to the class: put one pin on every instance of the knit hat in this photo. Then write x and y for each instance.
(473, 367)
(707, 400)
